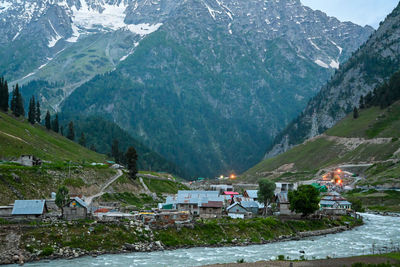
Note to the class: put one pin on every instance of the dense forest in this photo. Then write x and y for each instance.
(108, 138)
(93, 132)
(384, 95)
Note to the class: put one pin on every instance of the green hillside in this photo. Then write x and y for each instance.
(67, 163)
(371, 138)
(18, 137)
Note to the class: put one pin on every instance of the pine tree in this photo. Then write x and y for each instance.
(13, 104)
(20, 102)
(3, 95)
(131, 161)
(47, 120)
(82, 139)
(355, 113)
(71, 132)
(55, 125)
(62, 130)
(17, 103)
(1, 92)
(38, 113)
(32, 110)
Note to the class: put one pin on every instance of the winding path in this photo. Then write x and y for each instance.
(89, 199)
(144, 185)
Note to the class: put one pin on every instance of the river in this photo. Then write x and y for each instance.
(378, 231)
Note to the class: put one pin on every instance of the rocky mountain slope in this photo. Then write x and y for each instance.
(369, 145)
(179, 75)
(369, 67)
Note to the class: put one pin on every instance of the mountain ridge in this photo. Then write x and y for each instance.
(369, 67)
(222, 72)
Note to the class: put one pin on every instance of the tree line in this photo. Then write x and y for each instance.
(382, 96)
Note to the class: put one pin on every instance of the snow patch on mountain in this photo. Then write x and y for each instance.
(321, 63)
(75, 34)
(338, 47)
(313, 44)
(4, 5)
(107, 18)
(111, 17)
(334, 64)
(54, 39)
(143, 28)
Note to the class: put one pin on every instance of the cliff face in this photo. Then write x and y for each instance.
(367, 68)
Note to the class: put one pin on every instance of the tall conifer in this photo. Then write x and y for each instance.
(55, 125)
(17, 103)
(71, 131)
(47, 120)
(3, 95)
(32, 110)
(38, 113)
(13, 103)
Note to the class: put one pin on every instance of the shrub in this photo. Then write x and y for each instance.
(281, 257)
(47, 251)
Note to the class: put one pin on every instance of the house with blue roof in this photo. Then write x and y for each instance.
(29, 209)
(251, 206)
(75, 209)
(237, 211)
(334, 200)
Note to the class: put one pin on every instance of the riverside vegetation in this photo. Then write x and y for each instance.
(60, 239)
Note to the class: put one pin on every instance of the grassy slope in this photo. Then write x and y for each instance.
(375, 200)
(129, 192)
(322, 151)
(18, 137)
(39, 182)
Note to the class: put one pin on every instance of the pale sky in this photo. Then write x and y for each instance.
(362, 12)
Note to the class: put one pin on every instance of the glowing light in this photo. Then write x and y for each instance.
(339, 170)
(232, 176)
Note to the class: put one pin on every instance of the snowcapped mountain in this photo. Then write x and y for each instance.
(200, 67)
(55, 23)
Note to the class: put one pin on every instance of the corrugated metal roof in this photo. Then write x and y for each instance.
(332, 202)
(249, 204)
(233, 205)
(213, 204)
(80, 201)
(28, 207)
(252, 193)
(327, 202)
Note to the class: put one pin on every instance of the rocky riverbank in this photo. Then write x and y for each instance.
(25, 243)
(384, 213)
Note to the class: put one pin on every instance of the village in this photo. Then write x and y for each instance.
(218, 198)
